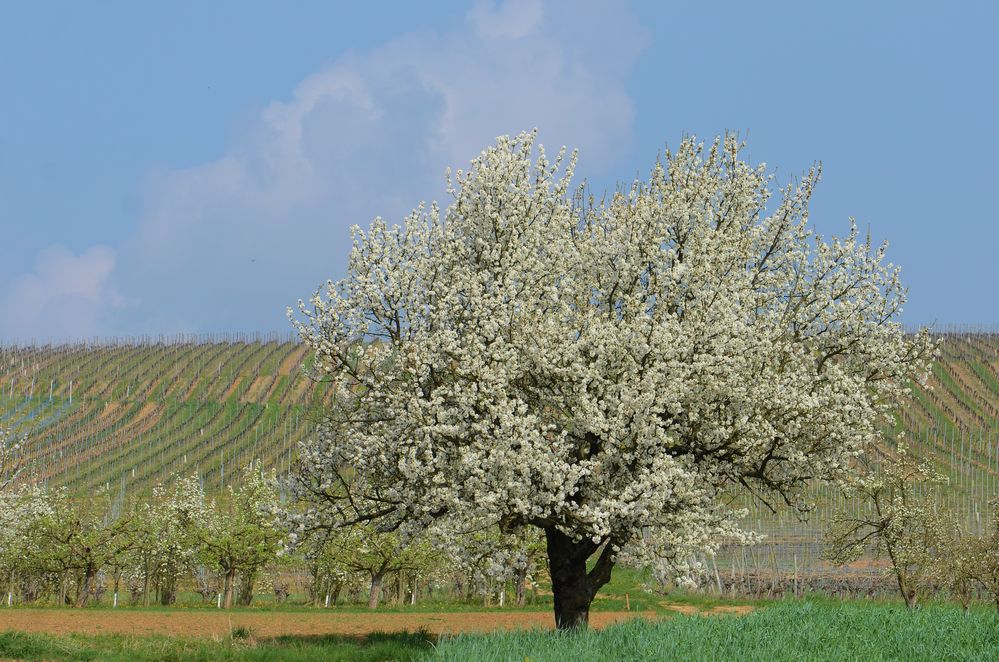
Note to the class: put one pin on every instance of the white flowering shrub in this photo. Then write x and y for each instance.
(20, 513)
(983, 564)
(957, 563)
(601, 370)
(897, 519)
(165, 544)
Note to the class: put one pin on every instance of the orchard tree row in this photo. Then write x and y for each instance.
(67, 549)
(72, 548)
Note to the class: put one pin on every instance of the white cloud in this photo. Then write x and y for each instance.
(63, 298)
(230, 243)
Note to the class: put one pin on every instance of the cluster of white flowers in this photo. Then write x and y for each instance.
(606, 370)
(13, 449)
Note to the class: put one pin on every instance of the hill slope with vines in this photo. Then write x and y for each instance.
(132, 413)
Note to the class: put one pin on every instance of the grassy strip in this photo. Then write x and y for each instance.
(241, 646)
(789, 631)
(810, 630)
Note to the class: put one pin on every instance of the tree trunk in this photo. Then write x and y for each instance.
(376, 590)
(574, 588)
(117, 585)
(521, 581)
(88, 577)
(244, 597)
(230, 576)
(908, 594)
(167, 591)
(145, 584)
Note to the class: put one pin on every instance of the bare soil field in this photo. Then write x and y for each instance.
(271, 624)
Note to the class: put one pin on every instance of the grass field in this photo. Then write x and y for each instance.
(792, 630)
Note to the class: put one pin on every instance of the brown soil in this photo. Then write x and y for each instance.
(232, 388)
(268, 624)
(690, 610)
(292, 362)
(256, 387)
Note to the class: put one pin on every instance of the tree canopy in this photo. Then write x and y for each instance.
(605, 370)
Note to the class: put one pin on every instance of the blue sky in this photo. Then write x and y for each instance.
(193, 167)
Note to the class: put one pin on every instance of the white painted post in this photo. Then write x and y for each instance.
(327, 599)
(219, 601)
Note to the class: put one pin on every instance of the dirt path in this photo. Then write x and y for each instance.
(267, 624)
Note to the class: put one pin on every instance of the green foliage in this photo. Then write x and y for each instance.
(119, 648)
(792, 631)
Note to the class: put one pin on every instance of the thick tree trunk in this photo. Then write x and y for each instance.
(168, 592)
(573, 587)
(84, 593)
(244, 597)
(230, 577)
(376, 590)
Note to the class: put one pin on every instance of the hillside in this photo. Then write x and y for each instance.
(128, 414)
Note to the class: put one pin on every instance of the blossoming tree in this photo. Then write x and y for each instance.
(236, 533)
(12, 458)
(607, 371)
(898, 519)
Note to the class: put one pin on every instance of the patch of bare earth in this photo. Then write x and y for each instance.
(691, 610)
(269, 624)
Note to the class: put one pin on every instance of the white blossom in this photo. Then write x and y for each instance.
(609, 371)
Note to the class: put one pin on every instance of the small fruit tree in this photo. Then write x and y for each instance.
(604, 371)
(897, 518)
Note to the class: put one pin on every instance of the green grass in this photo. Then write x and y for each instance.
(119, 648)
(789, 631)
(809, 630)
